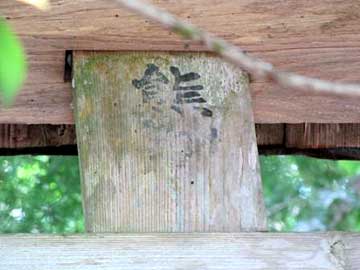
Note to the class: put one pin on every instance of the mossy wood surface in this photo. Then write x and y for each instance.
(167, 144)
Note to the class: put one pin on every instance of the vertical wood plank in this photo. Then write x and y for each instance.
(167, 144)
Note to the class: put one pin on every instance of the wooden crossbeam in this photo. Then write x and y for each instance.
(333, 141)
(243, 251)
(316, 38)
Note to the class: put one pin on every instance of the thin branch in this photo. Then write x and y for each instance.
(238, 57)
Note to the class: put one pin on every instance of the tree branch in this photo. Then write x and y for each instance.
(238, 57)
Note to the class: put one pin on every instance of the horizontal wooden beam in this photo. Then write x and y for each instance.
(18, 139)
(260, 251)
(20, 136)
(316, 38)
(333, 141)
(32, 136)
(322, 135)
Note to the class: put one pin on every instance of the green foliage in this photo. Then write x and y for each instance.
(12, 63)
(40, 194)
(306, 194)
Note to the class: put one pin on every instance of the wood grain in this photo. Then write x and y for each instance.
(246, 251)
(36, 136)
(45, 98)
(153, 161)
(315, 38)
(323, 136)
(332, 141)
(17, 136)
(270, 134)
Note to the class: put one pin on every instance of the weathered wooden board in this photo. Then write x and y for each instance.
(246, 251)
(166, 144)
(317, 38)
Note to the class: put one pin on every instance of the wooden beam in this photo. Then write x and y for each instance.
(270, 134)
(322, 135)
(20, 136)
(316, 38)
(166, 144)
(36, 136)
(45, 97)
(248, 251)
(332, 142)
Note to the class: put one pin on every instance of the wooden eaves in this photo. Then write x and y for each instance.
(318, 39)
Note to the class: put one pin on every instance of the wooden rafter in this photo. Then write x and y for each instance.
(311, 38)
(334, 141)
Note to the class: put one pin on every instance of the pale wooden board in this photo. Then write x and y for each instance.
(317, 38)
(246, 251)
(152, 161)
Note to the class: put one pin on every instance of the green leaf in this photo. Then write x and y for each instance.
(12, 64)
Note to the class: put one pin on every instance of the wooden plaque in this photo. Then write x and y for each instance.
(167, 144)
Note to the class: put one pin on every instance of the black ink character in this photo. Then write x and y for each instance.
(187, 93)
(148, 84)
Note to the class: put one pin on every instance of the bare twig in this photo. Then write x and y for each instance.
(236, 56)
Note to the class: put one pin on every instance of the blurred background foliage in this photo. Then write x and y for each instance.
(41, 194)
(307, 194)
